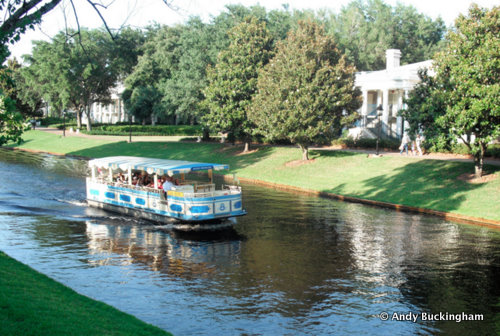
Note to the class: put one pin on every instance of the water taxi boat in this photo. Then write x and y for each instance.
(115, 184)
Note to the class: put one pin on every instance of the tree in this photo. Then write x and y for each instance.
(74, 72)
(469, 72)
(28, 102)
(306, 92)
(17, 17)
(154, 69)
(141, 102)
(233, 81)
(184, 88)
(425, 104)
(365, 29)
(11, 121)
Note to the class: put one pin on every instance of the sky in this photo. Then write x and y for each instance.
(140, 13)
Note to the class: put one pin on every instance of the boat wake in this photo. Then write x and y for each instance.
(80, 203)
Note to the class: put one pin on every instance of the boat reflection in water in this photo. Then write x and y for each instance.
(176, 253)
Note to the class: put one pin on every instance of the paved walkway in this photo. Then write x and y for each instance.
(432, 156)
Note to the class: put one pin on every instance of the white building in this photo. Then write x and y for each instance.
(383, 92)
(108, 114)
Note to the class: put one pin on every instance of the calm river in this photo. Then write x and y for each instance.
(295, 265)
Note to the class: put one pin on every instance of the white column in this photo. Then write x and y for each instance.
(385, 111)
(379, 98)
(404, 124)
(364, 108)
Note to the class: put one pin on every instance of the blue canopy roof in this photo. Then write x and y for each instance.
(157, 166)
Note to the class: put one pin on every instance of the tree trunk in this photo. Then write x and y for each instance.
(89, 122)
(305, 152)
(206, 134)
(247, 145)
(479, 160)
(79, 118)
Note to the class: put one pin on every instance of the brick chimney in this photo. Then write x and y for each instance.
(392, 58)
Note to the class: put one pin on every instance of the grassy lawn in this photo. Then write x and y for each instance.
(425, 183)
(33, 304)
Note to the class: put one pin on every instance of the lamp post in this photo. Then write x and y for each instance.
(379, 114)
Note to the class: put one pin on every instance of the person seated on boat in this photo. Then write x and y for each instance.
(161, 180)
(151, 182)
(143, 179)
(169, 184)
(121, 179)
(135, 178)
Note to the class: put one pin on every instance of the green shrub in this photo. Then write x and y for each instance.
(56, 121)
(493, 151)
(182, 130)
(367, 143)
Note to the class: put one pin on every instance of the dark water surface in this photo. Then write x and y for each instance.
(295, 265)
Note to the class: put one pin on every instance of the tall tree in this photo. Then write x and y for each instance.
(233, 81)
(306, 92)
(11, 121)
(469, 72)
(155, 67)
(184, 88)
(16, 16)
(365, 29)
(424, 105)
(27, 101)
(19, 16)
(74, 73)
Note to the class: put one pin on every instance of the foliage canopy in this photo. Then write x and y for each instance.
(306, 92)
(233, 81)
(464, 97)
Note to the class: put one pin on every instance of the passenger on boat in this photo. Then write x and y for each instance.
(169, 183)
(143, 179)
(135, 178)
(121, 179)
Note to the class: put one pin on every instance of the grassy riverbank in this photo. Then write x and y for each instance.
(33, 304)
(411, 181)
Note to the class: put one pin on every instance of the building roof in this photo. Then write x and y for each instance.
(400, 77)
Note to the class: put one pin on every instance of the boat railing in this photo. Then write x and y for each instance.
(126, 185)
(226, 190)
(197, 190)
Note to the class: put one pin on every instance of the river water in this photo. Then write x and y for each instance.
(295, 265)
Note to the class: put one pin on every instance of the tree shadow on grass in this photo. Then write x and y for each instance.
(198, 152)
(331, 153)
(427, 184)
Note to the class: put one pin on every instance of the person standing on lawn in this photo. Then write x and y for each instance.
(418, 142)
(404, 144)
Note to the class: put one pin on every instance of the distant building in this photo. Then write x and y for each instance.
(111, 113)
(383, 92)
